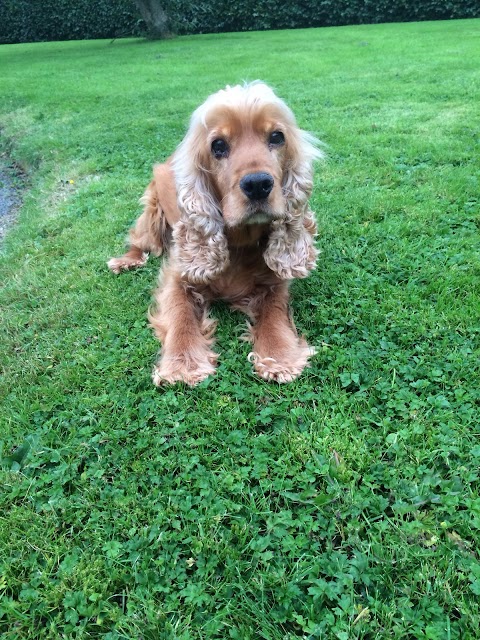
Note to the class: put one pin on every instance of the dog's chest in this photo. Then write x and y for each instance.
(246, 272)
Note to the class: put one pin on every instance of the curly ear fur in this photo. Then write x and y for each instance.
(200, 245)
(290, 251)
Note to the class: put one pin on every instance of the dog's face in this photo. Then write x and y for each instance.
(245, 156)
(243, 145)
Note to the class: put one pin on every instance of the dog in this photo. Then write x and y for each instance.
(231, 207)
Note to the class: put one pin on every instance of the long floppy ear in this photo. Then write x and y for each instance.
(200, 245)
(290, 250)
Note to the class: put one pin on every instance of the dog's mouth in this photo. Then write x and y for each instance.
(260, 213)
(259, 217)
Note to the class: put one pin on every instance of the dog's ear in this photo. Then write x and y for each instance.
(290, 251)
(200, 245)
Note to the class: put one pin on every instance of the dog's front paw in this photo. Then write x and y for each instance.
(282, 369)
(170, 371)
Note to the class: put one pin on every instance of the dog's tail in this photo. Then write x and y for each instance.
(151, 233)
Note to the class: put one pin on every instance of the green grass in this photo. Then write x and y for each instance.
(344, 505)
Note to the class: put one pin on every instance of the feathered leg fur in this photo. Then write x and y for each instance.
(181, 324)
(279, 354)
(150, 234)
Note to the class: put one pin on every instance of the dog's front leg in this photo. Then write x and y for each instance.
(279, 354)
(181, 324)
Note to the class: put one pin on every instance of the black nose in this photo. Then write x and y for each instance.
(257, 186)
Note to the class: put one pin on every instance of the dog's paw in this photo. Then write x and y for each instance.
(125, 263)
(281, 370)
(170, 372)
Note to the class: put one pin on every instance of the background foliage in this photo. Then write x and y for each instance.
(31, 21)
(222, 15)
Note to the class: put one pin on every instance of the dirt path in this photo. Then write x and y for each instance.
(10, 197)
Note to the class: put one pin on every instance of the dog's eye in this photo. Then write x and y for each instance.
(276, 138)
(220, 148)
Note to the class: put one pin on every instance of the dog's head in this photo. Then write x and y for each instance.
(244, 161)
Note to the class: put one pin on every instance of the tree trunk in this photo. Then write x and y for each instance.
(155, 17)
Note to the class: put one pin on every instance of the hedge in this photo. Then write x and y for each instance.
(45, 20)
(224, 15)
(36, 20)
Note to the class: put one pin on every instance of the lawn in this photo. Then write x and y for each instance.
(344, 505)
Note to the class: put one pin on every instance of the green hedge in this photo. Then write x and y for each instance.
(45, 20)
(224, 15)
(34, 20)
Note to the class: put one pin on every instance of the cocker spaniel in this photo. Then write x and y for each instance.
(231, 206)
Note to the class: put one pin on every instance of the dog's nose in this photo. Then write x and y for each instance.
(257, 186)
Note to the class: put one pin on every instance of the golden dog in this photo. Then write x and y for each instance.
(231, 205)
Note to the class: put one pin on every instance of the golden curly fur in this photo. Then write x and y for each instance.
(231, 205)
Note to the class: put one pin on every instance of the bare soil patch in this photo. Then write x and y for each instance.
(11, 189)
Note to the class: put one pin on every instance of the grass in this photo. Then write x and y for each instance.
(344, 505)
